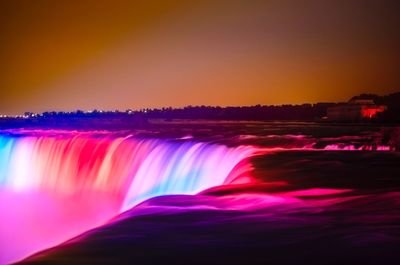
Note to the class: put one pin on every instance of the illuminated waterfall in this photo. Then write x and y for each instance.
(73, 173)
(129, 168)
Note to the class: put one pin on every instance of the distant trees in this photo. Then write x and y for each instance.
(304, 112)
(257, 112)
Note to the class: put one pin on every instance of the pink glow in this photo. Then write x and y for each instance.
(342, 147)
(249, 201)
(55, 185)
(31, 221)
(315, 192)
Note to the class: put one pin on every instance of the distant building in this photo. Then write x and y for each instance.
(355, 110)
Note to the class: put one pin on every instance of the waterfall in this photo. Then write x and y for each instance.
(129, 168)
(59, 174)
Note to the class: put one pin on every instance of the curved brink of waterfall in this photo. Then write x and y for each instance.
(57, 184)
(129, 168)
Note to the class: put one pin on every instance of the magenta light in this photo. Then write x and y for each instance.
(55, 185)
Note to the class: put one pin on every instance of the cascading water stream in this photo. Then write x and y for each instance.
(55, 185)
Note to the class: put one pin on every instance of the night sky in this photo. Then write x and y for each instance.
(68, 55)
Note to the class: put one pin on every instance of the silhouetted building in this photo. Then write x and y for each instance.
(355, 110)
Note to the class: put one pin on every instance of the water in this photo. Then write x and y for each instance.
(57, 184)
(233, 193)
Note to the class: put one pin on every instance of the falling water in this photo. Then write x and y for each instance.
(54, 185)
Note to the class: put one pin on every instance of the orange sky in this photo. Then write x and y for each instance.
(67, 54)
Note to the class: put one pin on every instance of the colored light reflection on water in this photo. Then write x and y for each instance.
(55, 185)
